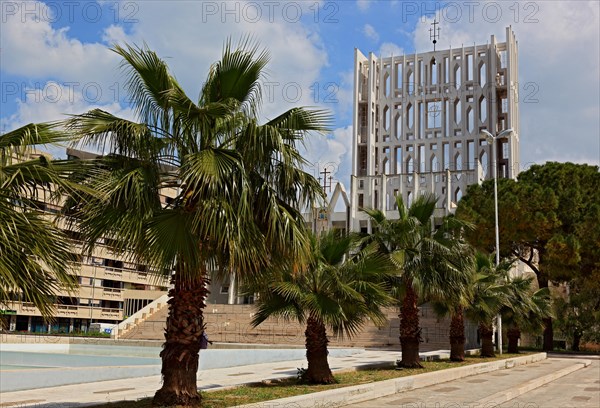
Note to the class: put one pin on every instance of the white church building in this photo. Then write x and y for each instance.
(418, 122)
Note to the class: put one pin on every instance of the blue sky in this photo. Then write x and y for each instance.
(54, 58)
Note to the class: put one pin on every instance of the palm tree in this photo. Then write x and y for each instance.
(341, 285)
(423, 259)
(489, 295)
(237, 187)
(525, 309)
(35, 256)
(453, 303)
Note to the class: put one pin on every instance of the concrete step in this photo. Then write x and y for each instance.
(231, 323)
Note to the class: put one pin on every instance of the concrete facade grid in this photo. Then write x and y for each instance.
(417, 119)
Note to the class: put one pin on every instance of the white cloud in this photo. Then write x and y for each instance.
(363, 5)
(114, 34)
(297, 53)
(35, 49)
(345, 95)
(31, 47)
(370, 32)
(333, 151)
(52, 102)
(388, 49)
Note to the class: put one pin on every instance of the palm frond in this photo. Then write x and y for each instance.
(36, 259)
(237, 76)
(148, 84)
(341, 286)
(30, 135)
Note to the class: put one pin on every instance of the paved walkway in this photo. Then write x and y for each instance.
(579, 389)
(466, 390)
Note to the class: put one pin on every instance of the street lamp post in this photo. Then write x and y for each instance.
(92, 300)
(493, 139)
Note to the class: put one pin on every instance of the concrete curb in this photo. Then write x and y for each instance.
(504, 396)
(574, 356)
(365, 392)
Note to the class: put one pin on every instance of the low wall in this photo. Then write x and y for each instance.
(51, 341)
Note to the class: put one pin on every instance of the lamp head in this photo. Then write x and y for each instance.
(484, 133)
(506, 133)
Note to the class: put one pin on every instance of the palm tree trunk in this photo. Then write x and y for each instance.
(576, 340)
(457, 336)
(486, 332)
(410, 332)
(318, 371)
(548, 330)
(513, 334)
(548, 334)
(182, 343)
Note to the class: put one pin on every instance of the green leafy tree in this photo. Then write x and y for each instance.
(36, 259)
(424, 265)
(237, 186)
(549, 219)
(578, 315)
(342, 284)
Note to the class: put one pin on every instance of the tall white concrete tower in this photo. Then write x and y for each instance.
(417, 122)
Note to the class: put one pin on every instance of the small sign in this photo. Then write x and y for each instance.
(8, 312)
(322, 214)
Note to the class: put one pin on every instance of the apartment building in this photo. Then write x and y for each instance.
(418, 120)
(110, 287)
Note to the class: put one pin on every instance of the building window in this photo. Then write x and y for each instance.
(482, 75)
(457, 111)
(469, 67)
(471, 154)
(398, 68)
(434, 115)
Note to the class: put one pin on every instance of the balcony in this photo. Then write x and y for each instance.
(67, 311)
(124, 275)
(113, 272)
(100, 293)
(112, 293)
(108, 313)
(74, 311)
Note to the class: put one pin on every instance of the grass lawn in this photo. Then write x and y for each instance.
(265, 391)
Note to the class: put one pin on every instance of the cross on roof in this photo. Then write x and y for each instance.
(326, 180)
(434, 33)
